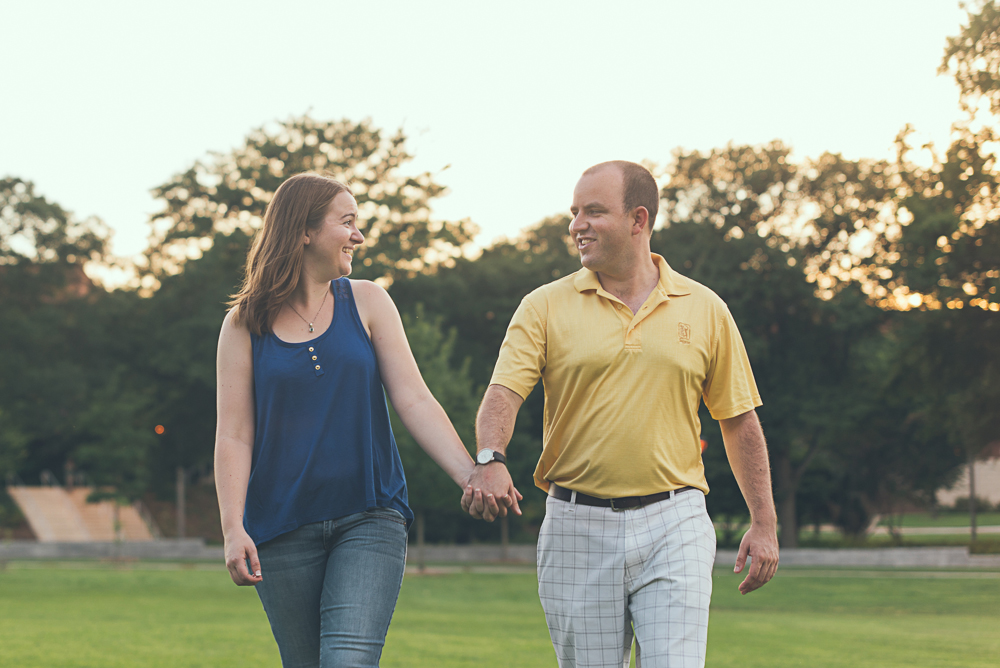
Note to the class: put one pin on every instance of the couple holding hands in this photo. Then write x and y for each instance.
(311, 487)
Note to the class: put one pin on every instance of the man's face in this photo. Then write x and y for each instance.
(600, 229)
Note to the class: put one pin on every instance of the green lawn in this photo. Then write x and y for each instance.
(945, 519)
(152, 615)
(989, 542)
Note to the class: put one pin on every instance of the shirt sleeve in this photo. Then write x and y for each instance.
(729, 388)
(522, 354)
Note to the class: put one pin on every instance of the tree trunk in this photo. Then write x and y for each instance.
(504, 536)
(181, 512)
(972, 498)
(116, 519)
(786, 484)
(420, 541)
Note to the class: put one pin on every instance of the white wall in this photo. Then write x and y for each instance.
(987, 483)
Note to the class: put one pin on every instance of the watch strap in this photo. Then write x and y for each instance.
(497, 457)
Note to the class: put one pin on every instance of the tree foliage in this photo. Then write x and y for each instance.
(431, 491)
(769, 236)
(45, 376)
(973, 56)
(230, 191)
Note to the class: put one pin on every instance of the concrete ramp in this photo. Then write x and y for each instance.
(58, 516)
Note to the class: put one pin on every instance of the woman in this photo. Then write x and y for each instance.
(310, 484)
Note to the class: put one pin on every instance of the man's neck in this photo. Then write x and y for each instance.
(633, 285)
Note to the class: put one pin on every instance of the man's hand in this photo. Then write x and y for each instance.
(762, 545)
(490, 492)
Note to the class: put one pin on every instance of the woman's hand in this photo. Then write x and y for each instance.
(479, 499)
(239, 549)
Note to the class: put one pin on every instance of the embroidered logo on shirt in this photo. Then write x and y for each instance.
(684, 332)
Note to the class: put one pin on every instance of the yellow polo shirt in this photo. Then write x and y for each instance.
(622, 390)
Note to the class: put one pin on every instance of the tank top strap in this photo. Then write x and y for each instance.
(342, 290)
(345, 297)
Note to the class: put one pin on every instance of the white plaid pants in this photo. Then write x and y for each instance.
(604, 575)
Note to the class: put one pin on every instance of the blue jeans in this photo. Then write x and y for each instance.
(329, 588)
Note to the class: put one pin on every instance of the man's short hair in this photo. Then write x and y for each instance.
(638, 186)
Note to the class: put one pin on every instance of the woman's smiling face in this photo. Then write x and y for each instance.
(334, 241)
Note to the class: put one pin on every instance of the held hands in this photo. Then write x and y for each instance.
(490, 492)
(762, 544)
(240, 548)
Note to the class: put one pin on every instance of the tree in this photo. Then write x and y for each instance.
(176, 350)
(973, 56)
(429, 488)
(68, 382)
(47, 367)
(769, 236)
(943, 255)
(477, 298)
(231, 191)
(35, 231)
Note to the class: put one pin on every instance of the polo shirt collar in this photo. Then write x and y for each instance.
(671, 284)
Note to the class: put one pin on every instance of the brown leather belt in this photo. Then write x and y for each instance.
(622, 503)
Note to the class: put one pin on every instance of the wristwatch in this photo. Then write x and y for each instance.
(485, 456)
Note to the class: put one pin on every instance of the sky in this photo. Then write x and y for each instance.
(506, 103)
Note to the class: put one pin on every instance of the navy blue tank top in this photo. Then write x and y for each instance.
(323, 447)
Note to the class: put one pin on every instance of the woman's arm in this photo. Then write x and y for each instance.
(234, 437)
(420, 412)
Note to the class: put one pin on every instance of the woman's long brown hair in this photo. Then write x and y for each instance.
(274, 263)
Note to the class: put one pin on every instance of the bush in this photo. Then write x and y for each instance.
(10, 514)
(982, 505)
(989, 545)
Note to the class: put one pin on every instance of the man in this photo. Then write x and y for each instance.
(626, 349)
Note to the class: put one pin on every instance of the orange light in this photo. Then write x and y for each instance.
(704, 444)
(159, 429)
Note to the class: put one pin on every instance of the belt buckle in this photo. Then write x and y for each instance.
(617, 510)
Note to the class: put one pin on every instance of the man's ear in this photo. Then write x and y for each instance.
(640, 219)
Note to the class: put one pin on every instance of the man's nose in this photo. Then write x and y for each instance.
(577, 224)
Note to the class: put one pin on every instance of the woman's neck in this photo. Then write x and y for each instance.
(309, 293)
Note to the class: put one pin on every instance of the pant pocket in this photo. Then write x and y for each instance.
(390, 514)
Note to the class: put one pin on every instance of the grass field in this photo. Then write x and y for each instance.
(945, 519)
(78, 615)
(990, 542)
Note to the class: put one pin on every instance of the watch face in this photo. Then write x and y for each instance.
(484, 456)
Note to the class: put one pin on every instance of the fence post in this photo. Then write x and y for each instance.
(181, 479)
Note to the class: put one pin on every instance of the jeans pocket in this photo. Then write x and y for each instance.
(390, 514)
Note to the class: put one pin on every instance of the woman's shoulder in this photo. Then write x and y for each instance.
(368, 291)
(374, 303)
(234, 326)
(233, 319)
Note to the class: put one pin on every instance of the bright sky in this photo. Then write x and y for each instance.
(103, 101)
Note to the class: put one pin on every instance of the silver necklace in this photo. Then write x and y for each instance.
(289, 305)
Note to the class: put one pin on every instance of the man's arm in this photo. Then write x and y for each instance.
(494, 427)
(747, 452)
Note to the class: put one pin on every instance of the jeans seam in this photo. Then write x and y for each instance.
(391, 518)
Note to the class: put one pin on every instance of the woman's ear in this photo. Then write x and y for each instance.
(305, 238)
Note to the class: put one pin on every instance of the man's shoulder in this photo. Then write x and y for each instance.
(557, 290)
(699, 291)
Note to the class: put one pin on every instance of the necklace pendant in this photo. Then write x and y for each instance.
(310, 327)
